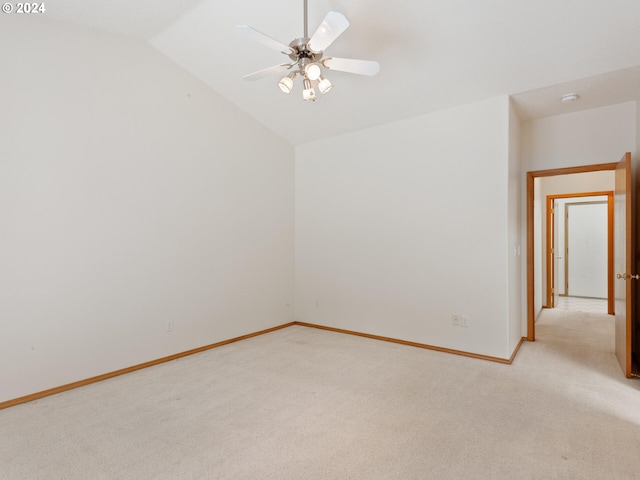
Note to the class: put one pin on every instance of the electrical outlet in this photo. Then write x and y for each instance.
(169, 326)
(464, 321)
(455, 320)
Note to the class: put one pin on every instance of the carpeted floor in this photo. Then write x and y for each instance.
(302, 403)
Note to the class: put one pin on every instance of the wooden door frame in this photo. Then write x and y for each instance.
(531, 176)
(550, 243)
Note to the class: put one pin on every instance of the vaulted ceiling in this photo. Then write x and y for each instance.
(433, 54)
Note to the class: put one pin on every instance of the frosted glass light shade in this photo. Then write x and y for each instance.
(324, 85)
(286, 83)
(312, 71)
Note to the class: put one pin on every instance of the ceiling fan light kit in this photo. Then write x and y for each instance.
(324, 85)
(308, 93)
(308, 58)
(286, 83)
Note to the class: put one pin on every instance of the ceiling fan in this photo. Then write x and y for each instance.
(307, 55)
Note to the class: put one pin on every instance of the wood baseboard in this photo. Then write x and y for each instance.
(517, 349)
(105, 376)
(506, 361)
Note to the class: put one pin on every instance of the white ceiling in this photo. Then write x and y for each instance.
(434, 54)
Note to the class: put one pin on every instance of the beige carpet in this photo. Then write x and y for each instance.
(301, 403)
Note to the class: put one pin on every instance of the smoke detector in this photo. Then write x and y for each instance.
(569, 97)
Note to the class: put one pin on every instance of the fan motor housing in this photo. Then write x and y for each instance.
(301, 50)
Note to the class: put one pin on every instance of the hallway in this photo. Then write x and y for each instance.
(580, 330)
(580, 304)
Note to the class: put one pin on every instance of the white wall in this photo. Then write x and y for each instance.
(129, 196)
(401, 226)
(599, 135)
(514, 230)
(538, 253)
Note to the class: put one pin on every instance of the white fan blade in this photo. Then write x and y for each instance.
(267, 71)
(331, 28)
(361, 67)
(266, 40)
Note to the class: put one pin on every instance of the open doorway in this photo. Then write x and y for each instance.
(536, 269)
(579, 249)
